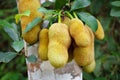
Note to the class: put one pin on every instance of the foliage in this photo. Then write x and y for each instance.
(15, 69)
(107, 52)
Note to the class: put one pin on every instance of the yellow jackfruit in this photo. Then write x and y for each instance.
(85, 55)
(59, 32)
(66, 20)
(32, 5)
(78, 32)
(59, 42)
(43, 44)
(99, 34)
(90, 68)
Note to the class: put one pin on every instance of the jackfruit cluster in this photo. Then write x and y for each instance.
(62, 41)
(69, 40)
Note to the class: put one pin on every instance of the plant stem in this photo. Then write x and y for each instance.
(59, 16)
(75, 15)
(69, 14)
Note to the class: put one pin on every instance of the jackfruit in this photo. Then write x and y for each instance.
(43, 44)
(85, 55)
(78, 32)
(90, 68)
(59, 42)
(32, 5)
(99, 34)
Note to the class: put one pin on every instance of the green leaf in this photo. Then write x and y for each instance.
(89, 20)
(87, 76)
(96, 6)
(32, 58)
(115, 12)
(18, 16)
(116, 3)
(10, 30)
(45, 11)
(97, 70)
(106, 22)
(101, 78)
(60, 3)
(18, 45)
(7, 56)
(109, 61)
(77, 4)
(12, 76)
(32, 24)
(47, 4)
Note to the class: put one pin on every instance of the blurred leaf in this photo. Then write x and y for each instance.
(7, 56)
(97, 70)
(100, 78)
(106, 22)
(96, 6)
(87, 76)
(60, 3)
(98, 52)
(116, 3)
(11, 32)
(115, 12)
(77, 4)
(18, 45)
(110, 60)
(5, 23)
(18, 16)
(32, 58)
(47, 4)
(89, 20)
(32, 24)
(45, 11)
(111, 44)
(9, 29)
(12, 76)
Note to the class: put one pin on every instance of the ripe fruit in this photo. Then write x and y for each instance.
(90, 68)
(66, 20)
(99, 34)
(59, 42)
(43, 44)
(32, 35)
(79, 33)
(85, 55)
(59, 32)
(32, 5)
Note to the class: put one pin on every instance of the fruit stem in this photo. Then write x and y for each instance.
(75, 15)
(69, 14)
(59, 16)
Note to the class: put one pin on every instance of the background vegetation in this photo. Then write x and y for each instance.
(107, 51)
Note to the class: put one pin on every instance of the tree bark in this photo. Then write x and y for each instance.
(43, 70)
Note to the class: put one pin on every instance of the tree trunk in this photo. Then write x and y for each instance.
(43, 70)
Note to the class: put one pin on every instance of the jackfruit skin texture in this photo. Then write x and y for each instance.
(90, 68)
(60, 33)
(85, 55)
(43, 44)
(78, 32)
(59, 42)
(99, 34)
(66, 20)
(32, 5)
